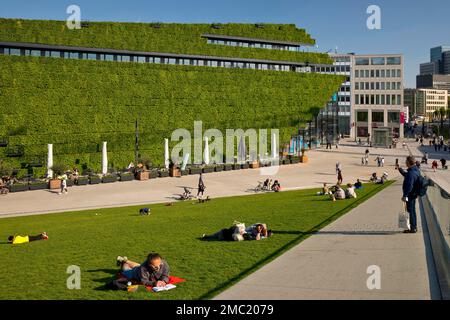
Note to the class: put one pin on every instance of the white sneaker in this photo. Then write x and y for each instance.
(120, 260)
(59, 193)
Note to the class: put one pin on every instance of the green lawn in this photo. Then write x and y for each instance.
(92, 240)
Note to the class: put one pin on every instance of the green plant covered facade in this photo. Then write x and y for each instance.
(77, 104)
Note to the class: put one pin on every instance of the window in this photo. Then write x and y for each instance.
(378, 116)
(13, 52)
(372, 73)
(393, 117)
(356, 85)
(362, 116)
(372, 86)
(377, 73)
(356, 73)
(383, 73)
(357, 98)
(362, 61)
(377, 86)
(388, 86)
(388, 73)
(140, 59)
(383, 85)
(377, 99)
(367, 74)
(394, 61)
(399, 99)
(383, 99)
(388, 99)
(378, 61)
(399, 73)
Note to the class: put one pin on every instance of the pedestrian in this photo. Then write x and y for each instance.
(444, 164)
(201, 185)
(340, 179)
(329, 139)
(382, 161)
(338, 167)
(63, 179)
(434, 165)
(338, 139)
(410, 191)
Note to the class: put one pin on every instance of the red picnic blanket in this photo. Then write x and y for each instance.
(172, 280)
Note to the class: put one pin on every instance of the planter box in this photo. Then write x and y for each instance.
(254, 165)
(185, 172)
(245, 166)
(218, 168)
(208, 170)
(55, 184)
(19, 187)
(227, 167)
(295, 160)
(94, 180)
(175, 172)
(143, 175)
(163, 174)
(285, 161)
(126, 177)
(236, 166)
(109, 179)
(195, 170)
(152, 174)
(82, 181)
(42, 185)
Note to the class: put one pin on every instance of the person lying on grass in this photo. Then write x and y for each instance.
(17, 239)
(154, 271)
(256, 231)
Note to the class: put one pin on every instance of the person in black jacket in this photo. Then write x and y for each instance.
(154, 271)
(410, 191)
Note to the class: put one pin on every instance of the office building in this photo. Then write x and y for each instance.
(430, 100)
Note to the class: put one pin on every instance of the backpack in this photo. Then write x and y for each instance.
(422, 185)
(118, 284)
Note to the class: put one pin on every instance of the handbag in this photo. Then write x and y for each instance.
(403, 219)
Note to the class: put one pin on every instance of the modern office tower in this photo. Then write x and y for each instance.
(378, 110)
(439, 59)
(429, 68)
(430, 100)
(433, 81)
(409, 100)
(446, 62)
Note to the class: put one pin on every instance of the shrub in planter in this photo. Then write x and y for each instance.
(19, 187)
(208, 169)
(94, 179)
(227, 167)
(38, 185)
(236, 166)
(244, 166)
(195, 170)
(295, 160)
(109, 178)
(185, 172)
(126, 176)
(285, 161)
(153, 174)
(218, 168)
(82, 181)
(163, 173)
(70, 182)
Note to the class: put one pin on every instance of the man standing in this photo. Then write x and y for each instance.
(329, 139)
(410, 191)
(201, 185)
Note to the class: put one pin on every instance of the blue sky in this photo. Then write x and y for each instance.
(409, 27)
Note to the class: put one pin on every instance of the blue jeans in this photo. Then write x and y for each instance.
(411, 208)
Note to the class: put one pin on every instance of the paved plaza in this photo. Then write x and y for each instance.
(319, 169)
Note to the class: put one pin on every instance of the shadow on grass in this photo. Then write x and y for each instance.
(301, 236)
(106, 280)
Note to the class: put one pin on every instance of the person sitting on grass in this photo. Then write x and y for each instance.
(154, 271)
(276, 186)
(350, 192)
(325, 190)
(358, 185)
(374, 177)
(338, 194)
(18, 239)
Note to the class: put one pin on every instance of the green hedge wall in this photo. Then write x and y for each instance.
(168, 38)
(77, 104)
